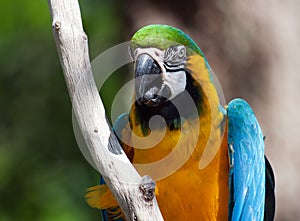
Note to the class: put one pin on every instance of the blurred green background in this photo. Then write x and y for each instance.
(252, 46)
(43, 175)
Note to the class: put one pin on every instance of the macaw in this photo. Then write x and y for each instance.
(235, 182)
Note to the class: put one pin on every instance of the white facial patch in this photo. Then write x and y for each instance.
(176, 81)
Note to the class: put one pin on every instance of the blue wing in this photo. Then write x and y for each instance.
(247, 163)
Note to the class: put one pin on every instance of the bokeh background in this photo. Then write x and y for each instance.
(252, 46)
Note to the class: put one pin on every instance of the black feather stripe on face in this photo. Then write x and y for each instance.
(173, 68)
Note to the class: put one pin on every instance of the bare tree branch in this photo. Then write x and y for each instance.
(128, 187)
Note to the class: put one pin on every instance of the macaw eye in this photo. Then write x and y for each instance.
(181, 53)
(175, 54)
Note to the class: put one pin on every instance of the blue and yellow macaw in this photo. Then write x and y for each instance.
(236, 182)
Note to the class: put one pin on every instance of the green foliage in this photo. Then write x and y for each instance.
(43, 175)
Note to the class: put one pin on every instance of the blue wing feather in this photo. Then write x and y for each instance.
(120, 124)
(247, 171)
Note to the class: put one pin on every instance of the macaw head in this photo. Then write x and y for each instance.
(160, 55)
(172, 78)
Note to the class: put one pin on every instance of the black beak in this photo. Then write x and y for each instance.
(149, 87)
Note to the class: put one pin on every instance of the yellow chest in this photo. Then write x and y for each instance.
(172, 159)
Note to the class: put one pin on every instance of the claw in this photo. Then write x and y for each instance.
(147, 187)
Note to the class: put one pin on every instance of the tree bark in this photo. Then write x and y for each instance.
(121, 177)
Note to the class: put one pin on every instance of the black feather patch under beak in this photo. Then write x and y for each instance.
(149, 87)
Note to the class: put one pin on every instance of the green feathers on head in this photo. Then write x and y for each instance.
(162, 37)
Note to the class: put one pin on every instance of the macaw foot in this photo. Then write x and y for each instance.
(147, 188)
